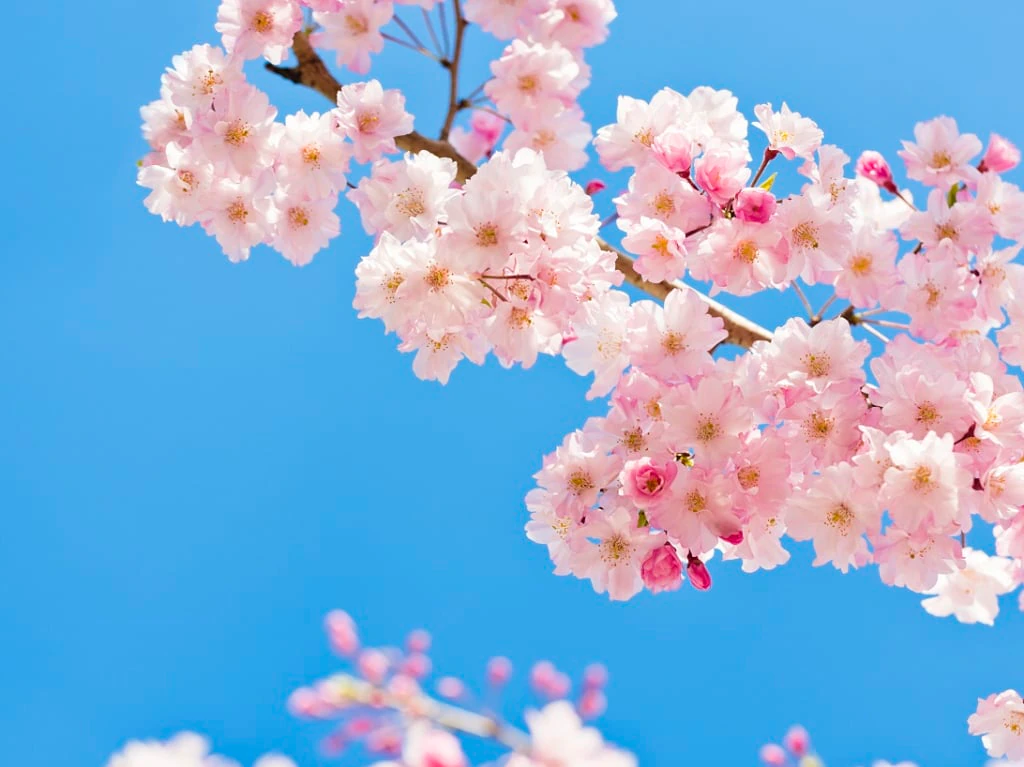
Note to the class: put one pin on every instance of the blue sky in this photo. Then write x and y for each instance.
(198, 460)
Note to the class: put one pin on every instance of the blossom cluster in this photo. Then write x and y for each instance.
(701, 454)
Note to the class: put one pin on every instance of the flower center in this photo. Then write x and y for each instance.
(487, 235)
(927, 413)
(437, 277)
(298, 218)
(311, 155)
(860, 264)
(805, 235)
(673, 342)
(922, 479)
(237, 133)
(410, 202)
(707, 429)
(941, 160)
(616, 549)
(368, 121)
(817, 365)
(746, 251)
(840, 518)
(356, 25)
(237, 212)
(580, 481)
(748, 476)
(262, 22)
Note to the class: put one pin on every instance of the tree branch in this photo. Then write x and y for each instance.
(313, 73)
(453, 71)
(345, 690)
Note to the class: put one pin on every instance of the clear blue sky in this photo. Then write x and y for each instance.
(198, 460)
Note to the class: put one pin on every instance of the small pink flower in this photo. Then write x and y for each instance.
(754, 205)
(595, 186)
(662, 570)
(1000, 156)
(773, 755)
(674, 150)
(797, 740)
(645, 482)
(874, 167)
(499, 671)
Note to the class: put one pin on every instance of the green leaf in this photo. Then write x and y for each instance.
(951, 194)
(641, 520)
(768, 183)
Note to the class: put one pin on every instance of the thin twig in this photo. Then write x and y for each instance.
(885, 324)
(433, 34)
(344, 690)
(869, 312)
(769, 155)
(444, 27)
(410, 46)
(453, 71)
(490, 111)
(408, 31)
(908, 202)
(803, 300)
(876, 334)
(491, 288)
(824, 307)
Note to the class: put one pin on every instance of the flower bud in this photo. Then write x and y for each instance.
(1000, 156)
(698, 573)
(797, 740)
(872, 166)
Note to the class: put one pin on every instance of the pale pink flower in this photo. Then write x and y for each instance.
(1001, 155)
(371, 118)
(236, 214)
(999, 418)
(530, 78)
(186, 749)
(353, 32)
(238, 134)
(922, 488)
(761, 547)
(740, 257)
(558, 737)
(1000, 722)
(674, 150)
(632, 139)
(824, 428)
(917, 403)
(868, 269)
(180, 189)
(915, 561)
(965, 226)
(722, 172)
(379, 276)
(701, 512)
(312, 158)
(600, 344)
(660, 250)
(818, 240)
(613, 562)
(577, 472)
(559, 532)
(816, 356)
(561, 137)
(198, 76)
(518, 330)
(662, 570)
(428, 746)
(576, 23)
(939, 155)
(439, 350)
(503, 18)
(711, 420)
(1003, 205)
(971, 594)
(835, 512)
(935, 293)
(163, 123)
(788, 132)
(252, 28)
(406, 198)
(486, 227)
(674, 342)
(657, 193)
(754, 205)
(302, 225)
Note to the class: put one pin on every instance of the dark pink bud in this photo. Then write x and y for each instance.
(662, 570)
(416, 665)
(698, 573)
(595, 186)
(1000, 156)
(754, 205)
(418, 641)
(872, 166)
(592, 704)
(499, 671)
(734, 538)
(797, 740)
(595, 676)
(341, 632)
(773, 755)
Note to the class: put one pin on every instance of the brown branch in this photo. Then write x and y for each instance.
(311, 72)
(454, 105)
(346, 690)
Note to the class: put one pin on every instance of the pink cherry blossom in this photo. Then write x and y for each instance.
(789, 133)
(874, 167)
(1001, 155)
(971, 593)
(1000, 722)
(662, 570)
(353, 32)
(252, 28)
(755, 206)
(371, 118)
(940, 155)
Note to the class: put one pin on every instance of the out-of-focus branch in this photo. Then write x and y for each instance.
(453, 71)
(313, 73)
(346, 690)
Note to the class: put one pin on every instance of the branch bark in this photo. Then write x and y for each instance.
(311, 71)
